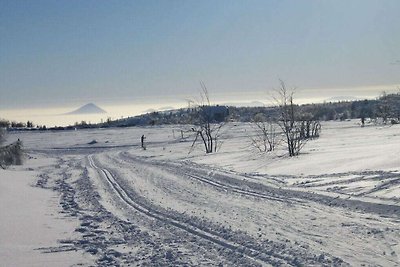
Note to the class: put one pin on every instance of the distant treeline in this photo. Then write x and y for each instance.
(386, 108)
(14, 124)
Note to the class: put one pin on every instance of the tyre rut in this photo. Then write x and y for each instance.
(251, 253)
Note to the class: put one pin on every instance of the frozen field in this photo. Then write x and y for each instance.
(113, 203)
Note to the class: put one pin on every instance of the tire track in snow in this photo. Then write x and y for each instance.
(216, 184)
(268, 192)
(237, 189)
(249, 252)
(267, 251)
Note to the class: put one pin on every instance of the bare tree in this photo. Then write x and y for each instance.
(291, 127)
(207, 128)
(265, 138)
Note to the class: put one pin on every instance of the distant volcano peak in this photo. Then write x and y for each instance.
(87, 109)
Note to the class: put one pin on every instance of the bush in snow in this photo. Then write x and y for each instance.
(11, 154)
(265, 136)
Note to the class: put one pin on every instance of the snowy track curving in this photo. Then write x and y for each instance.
(255, 255)
(236, 183)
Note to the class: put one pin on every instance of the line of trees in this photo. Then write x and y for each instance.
(15, 124)
(387, 106)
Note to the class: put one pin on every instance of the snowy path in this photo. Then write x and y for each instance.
(240, 244)
(249, 252)
(174, 201)
(241, 185)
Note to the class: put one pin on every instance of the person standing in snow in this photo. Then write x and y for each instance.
(142, 141)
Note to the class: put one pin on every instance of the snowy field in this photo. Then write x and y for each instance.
(112, 203)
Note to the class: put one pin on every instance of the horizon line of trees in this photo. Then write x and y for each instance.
(385, 109)
(14, 124)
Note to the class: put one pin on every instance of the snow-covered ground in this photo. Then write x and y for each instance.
(31, 224)
(111, 202)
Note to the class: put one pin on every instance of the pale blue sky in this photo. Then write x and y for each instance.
(73, 52)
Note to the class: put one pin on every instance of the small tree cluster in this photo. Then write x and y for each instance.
(207, 124)
(30, 124)
(297, 128)
(388, 108)
(15, 124)
(310, 127)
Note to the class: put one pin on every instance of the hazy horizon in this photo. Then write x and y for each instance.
(52, 115)
(56, 54)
